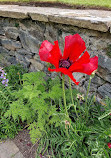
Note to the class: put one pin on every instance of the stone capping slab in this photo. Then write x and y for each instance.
(91, 19)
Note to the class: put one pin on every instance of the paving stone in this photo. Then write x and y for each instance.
(8, 149)
(18, 155)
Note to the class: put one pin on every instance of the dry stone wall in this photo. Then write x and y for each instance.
(20, 40)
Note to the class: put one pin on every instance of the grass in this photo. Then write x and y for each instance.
(102, 3)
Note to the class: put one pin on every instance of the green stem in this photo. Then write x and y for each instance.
(72, 97)
(19, 78)
(78, 103)
(86, 108)
(71, 91)
(64, 96)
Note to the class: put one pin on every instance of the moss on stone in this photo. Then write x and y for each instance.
(16, 24)
(109, 51)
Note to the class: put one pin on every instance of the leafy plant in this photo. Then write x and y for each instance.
(14, 75)
(87, 139)
(9, 127)
(37, 103)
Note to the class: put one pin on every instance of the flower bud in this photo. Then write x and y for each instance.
(93, 74)
(67, 123)
(109, 145)
(80, 97)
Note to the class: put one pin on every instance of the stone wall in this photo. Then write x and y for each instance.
(20, 40)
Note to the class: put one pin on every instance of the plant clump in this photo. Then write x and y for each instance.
(63, 121)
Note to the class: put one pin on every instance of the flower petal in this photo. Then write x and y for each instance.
(109, 145)
(66, 72)
(50, 53)
(44, 50)
(85, 64)
(55, 55)
(78, 64)
(91, 66)
(74, 47)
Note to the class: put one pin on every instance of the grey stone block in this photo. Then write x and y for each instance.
(104, 62)
(10, 45)
(3, 50)
(29, 42)
(24, 52)
(105, 90)
(104, 74)
(11, 32)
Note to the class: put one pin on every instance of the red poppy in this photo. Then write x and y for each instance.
(75, 58)
(109, 145)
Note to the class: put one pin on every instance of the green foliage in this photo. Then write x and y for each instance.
(14, 74)
(16, 24)
(9, 127)
(85, 139)
(37, 103)
(5, 124)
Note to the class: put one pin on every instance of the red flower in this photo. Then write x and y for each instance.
(109, 145)
(72, 60)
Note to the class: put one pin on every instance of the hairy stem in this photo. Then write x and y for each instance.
(72, 97)
(19, 78)
(86, 99)
(64, 96)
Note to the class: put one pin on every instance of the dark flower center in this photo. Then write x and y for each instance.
(65, 63)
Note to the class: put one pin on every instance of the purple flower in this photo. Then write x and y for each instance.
(3, 76)
(7, 80)
(3, 81)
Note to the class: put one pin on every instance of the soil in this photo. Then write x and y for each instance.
(29, 150)
(22, 141)
(55, 4)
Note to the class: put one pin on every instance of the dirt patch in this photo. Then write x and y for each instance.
(22, 141)
(55, 4)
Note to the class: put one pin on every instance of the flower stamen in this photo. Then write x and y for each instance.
(65, 63)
